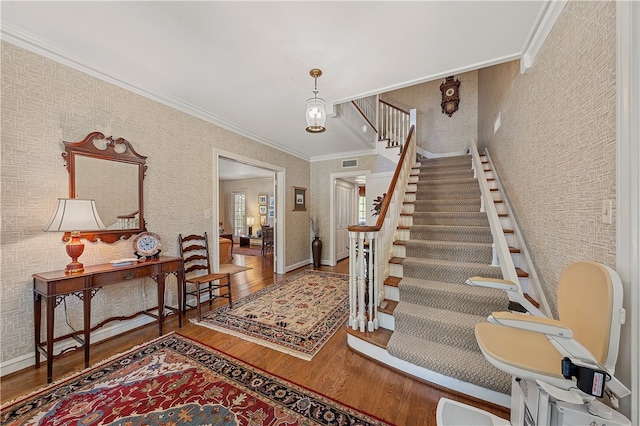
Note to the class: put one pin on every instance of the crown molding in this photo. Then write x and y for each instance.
(546, 20)
(39, 46)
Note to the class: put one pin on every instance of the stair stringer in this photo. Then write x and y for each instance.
(522, 259)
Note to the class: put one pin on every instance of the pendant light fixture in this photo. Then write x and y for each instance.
(316, 114)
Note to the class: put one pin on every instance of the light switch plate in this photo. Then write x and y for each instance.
(607, 211)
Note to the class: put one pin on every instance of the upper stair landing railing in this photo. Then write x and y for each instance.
(390, 122)
(370, 247)
(393, 124)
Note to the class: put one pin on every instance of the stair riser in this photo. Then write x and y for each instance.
(470, 205)
(455, 253)
(447, 273)
(457, 193)
(472, 219)
(443, 184)
(460, 234)
(456, 335)
(427, 175)
(391, 293)
(386, 321)
(452, 299)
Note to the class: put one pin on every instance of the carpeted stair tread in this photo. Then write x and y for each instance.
(446, 271)
(449, 250)
(448, 193)
(452, 296)
(463, 234)
(475, 218)
(446, 205)
(465, 365)
(439, 325)
(438, 183)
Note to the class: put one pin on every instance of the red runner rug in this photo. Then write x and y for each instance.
(177, 381)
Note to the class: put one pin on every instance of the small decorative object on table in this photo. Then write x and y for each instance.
(316, 244)
(147, 245)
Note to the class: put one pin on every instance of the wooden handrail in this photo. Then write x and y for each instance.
(387, 198)
(393, 106)
(364, 116)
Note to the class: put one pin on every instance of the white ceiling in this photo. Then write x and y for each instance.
(245, 65)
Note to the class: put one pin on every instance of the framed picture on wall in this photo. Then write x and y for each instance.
(299, 199)
(263, 209)
(262, 199)
(272, 202)
(272, 213)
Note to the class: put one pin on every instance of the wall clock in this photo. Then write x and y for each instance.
(147, 244)
(450, 89)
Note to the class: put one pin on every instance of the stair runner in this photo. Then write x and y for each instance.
(450, 241)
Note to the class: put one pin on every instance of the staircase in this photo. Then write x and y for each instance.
(448, 241)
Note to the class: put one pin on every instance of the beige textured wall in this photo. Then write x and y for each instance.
(555, 151)
(320, 191)
(44, 103)
(437, 132)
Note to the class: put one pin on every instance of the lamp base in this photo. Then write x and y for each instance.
(75, 247)
(74, 268)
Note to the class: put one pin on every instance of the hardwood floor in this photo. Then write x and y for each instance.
(336, 371)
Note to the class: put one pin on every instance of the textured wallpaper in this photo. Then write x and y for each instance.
(437, 132)
(45, 103)
(555, 151)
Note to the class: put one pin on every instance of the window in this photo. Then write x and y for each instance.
(362, 210)
(239, 212)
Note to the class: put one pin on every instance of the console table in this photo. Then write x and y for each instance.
(54, 286)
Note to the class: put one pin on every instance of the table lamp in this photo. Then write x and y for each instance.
(250, 222)
(75, 215)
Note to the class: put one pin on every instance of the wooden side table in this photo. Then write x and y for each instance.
(55, 286)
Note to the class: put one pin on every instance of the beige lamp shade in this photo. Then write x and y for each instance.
(74, 214)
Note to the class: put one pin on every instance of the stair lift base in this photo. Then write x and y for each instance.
(531, 405)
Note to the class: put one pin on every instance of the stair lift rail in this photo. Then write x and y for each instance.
(534, 281)
(501, 254)
(370, 247)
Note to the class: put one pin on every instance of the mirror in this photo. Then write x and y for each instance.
(110, 172)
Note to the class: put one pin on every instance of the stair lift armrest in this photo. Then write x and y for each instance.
(547, 326)
(512, 290)
(492, 283)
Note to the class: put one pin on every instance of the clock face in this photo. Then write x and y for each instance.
(147, 244)
(450, 91)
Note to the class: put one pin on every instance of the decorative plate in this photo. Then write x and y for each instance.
(147, 244)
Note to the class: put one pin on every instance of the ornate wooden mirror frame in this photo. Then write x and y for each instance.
(111, 172)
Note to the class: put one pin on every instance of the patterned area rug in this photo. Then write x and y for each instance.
(248, 251)
(296, 316)
(177, 381)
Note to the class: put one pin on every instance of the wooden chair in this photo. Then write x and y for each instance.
(267, 239)
(194, 250)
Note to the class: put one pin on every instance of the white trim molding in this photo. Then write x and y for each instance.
(548, 18)
(628, 197)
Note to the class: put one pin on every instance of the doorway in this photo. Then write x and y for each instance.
(230, 166)
(344, 207)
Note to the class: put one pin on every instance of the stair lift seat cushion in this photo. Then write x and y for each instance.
(590, 311)
(517, 351)
(585, 304)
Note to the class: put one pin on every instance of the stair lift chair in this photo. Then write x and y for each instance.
(559, 367)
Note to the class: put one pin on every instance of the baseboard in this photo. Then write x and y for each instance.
(106, 332)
